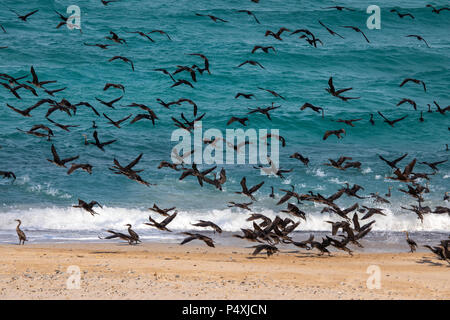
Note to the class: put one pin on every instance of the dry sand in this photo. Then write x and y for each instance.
(170, 271)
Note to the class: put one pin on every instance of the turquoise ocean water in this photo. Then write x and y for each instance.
(43, 194)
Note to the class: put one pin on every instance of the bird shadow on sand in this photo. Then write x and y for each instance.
(301, 254)
(124, 244)
(432, 263)
(317, 256)
(104, 252)
(292, 251)
(311, 255)
(254, 257)
(13, 243)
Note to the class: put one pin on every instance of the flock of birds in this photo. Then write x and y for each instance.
(266, 232)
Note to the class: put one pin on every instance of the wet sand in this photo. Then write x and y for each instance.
(170, 271)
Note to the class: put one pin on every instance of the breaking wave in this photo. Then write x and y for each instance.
(231, 220)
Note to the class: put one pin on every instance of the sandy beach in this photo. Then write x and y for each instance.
(170, 271)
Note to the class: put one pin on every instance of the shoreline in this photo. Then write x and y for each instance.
(170, 271)
(374, 242)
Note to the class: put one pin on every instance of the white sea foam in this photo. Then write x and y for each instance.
(337, 181)
(45, 188)
(319, 173)
(367, 170)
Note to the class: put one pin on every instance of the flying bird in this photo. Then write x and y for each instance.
(275, 94)
(298, 156)
(437, 11)
(433, 165)
(312, 107)
(142, 35)
(165, 72)
(114, 85)
(250, 14)
(25, 16)
(264, 49)
(391, 122)
(270, 249)
(393, 163)
(142, 116)
(405, 100)
(337, 93)
(208, 224)
(124, 59)
(89, 207)
(249, 192)
(180, 82)
(416, 81)
(58, 161)
(33, 131)
(196, 236)
(163, 212)
(63, 20)
(83, 166)
(109, 104)
(52, 92)
(205, 59)
(188, 69)
(330, 31)
(213, 18)
(163, 224)
(251, 62)
(8, 175)
(106, 2)
(99, 45)
(337, 133)
(357, 30)
(276, 35)
(26, 112)
(87, 104)
(240, 120)
(339, 8)
(97, 142)
(62, 126)
(420, 38)
(160, 32)
(118, 122)
(349, 122)
(36, 82)
(245, 95)
(264, 111)
(244, 206)
(402, 15)
(115, 38)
